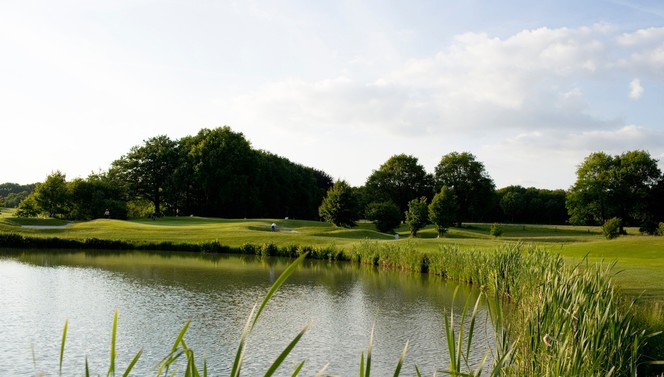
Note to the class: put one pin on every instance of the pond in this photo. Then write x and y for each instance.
(155, 294)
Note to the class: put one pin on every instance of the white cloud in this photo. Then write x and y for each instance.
(635, 89)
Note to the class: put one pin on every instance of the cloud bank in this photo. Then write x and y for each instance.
(536, 94)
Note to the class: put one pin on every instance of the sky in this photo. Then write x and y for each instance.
(529, 87)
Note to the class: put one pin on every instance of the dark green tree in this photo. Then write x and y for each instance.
(466, 177)
(28, 207)
(92, 196)
(340, 206)
(224, 167)
(531, 205)
(613, 186)
(385, 215)
(443, 210)
(52, 196)
(400, 179)
(12, 200)
(417, 216)
(148, 169)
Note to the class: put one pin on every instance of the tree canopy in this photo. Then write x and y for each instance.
(340, 206)
(468, 180)
(613, 186)
(399, 180)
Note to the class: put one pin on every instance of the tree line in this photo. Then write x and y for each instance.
(627, 190)
(217, 173)
(214, 173)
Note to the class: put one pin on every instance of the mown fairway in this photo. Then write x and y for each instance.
(639, 259)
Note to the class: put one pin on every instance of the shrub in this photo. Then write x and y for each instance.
(496, 230)
(386, 216)
(660, 229)
(611, 228)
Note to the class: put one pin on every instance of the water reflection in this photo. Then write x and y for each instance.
(156, 293)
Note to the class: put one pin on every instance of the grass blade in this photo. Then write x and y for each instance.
(132, 364)
(298, 369)
(239, 356)
(62, 346)
(180, 337)
(275, 365)
(278, 283)
(368, 366)
(111, 366)
(397, 371)
(322, 370)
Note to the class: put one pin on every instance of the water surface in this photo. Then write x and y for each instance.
(157, 293)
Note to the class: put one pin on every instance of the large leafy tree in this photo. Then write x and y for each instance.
(92, 196)
(224, 168)
(400, 179)
(52, 196)
(613, 186)
(468, 180)
(340, 205)
(148, 168)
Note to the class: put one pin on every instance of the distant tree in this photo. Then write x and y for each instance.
(385, 215)
(92, 196)
(28, 207)
(52, 196)
(12, 200)
(2, 201)
(531, 205)
(613, 186)
(466, 177)
(224, 169)
(148, 169)
(417, 215)
(340, 206)
(400, 179)
(514, 203)
(443, 210)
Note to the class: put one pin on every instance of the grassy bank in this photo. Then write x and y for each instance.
(639, 258)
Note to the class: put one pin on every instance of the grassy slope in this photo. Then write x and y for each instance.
(639, 258)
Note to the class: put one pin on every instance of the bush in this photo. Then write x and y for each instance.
(386, 216)
(660, 229)
(611, 228)
(496, 230)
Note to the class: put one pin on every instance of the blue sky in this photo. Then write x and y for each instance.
(529, 87)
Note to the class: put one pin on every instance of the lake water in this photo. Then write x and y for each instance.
(157, 293)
